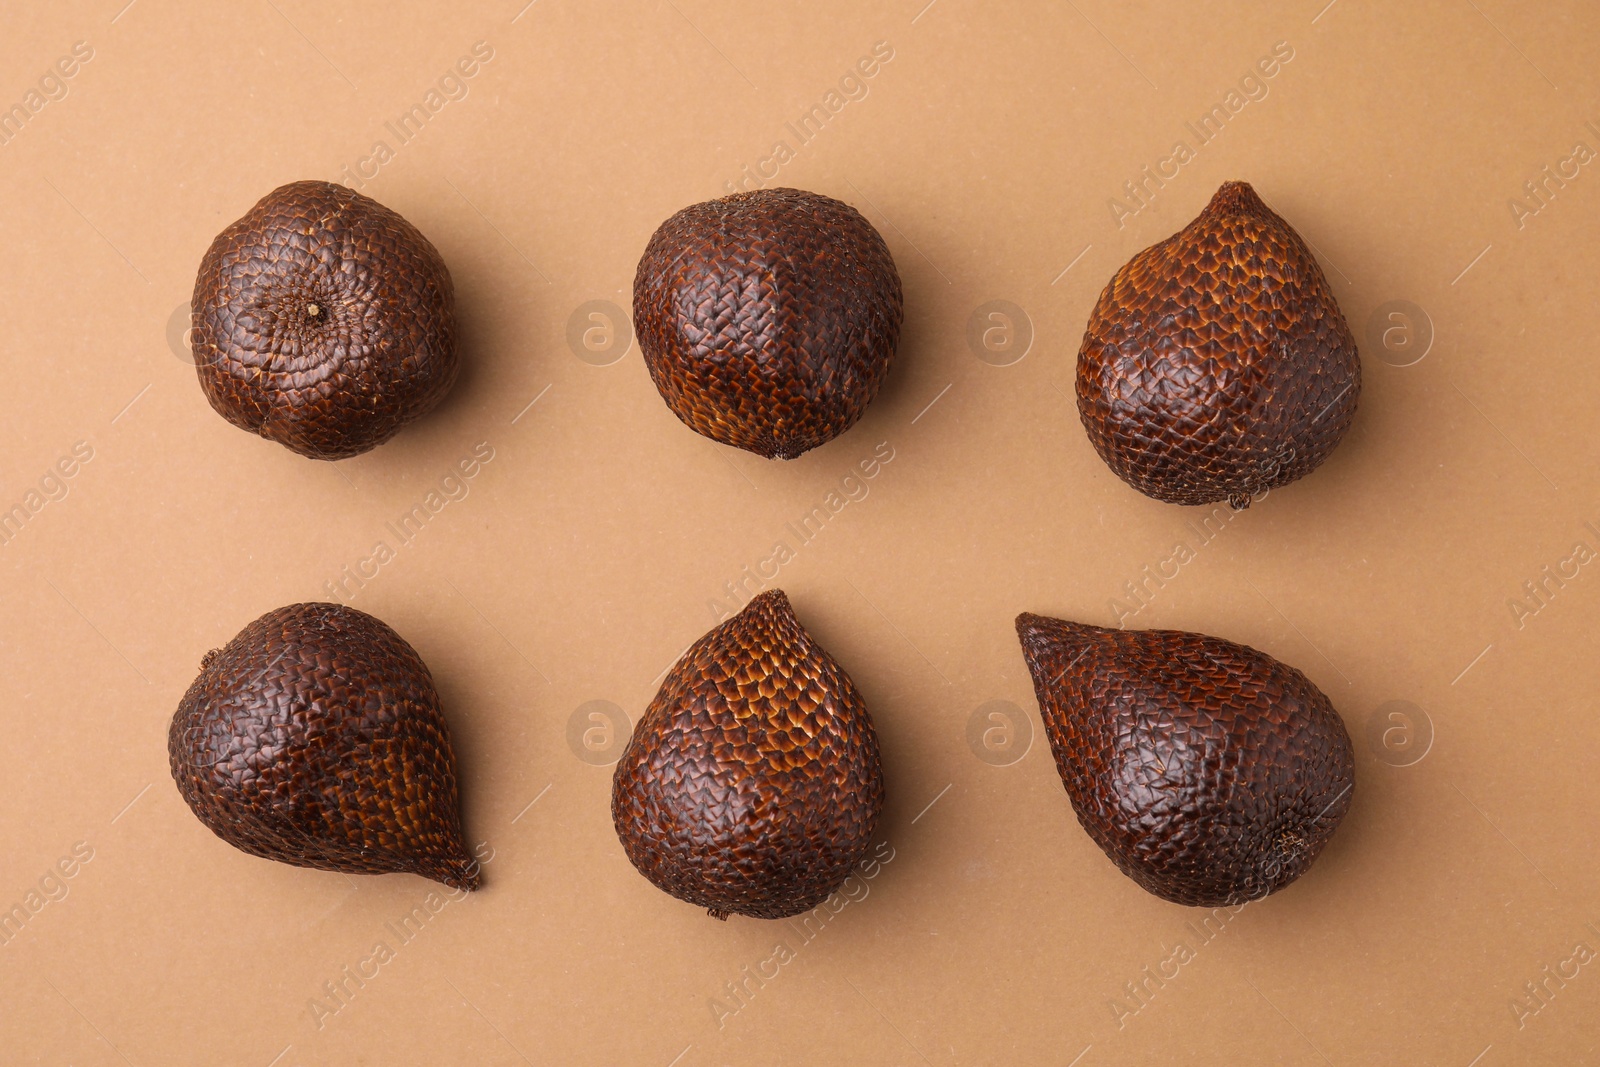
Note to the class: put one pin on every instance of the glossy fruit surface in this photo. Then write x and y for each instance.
(323, 321)
(1210, 773)
(769, 319)
(752, 785)
(315, 738)
(1217, 364)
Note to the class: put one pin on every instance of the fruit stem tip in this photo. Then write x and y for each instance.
(461, 874)
(772, 600)
(1037, 631)
(1235, 198)
(1028, 624)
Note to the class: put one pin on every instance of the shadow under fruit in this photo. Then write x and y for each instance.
(315, 738)
(1210, 773)
(323, 321)
(752, 785)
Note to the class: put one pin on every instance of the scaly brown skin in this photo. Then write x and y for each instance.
(315, 738)
(752, 785)
(1217, 365)
(1210, 773)
(323, 321)
(768, 320)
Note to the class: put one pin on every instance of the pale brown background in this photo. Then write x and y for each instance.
(584, 556)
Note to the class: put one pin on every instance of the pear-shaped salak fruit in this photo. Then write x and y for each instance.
(768, 319)
(1210, 773)
(323, 321)
(752, 785)
(1216, 365)
(315, 738)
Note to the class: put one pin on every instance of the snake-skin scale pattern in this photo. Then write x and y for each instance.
(769, 319)
(1210, 773)
(1216, 365)
(315, 738)
(323, 321)
(752, 785)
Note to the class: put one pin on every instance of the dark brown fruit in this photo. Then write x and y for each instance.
(1210, 773)
(315, 738)
(1216, 365)
(752, 784)
(768, 320)
(323, 321)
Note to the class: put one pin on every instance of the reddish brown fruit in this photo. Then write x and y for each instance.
(1210, 773)
(768, 320)
(315, 738)
(752, 785)
(323, 321)
(1217, 365)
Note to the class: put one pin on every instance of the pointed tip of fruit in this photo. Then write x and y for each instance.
(718, 914)
(773, 600)
(1029, 624)
(458, 872)
(1235, 198)
(1042, 635)
(770, 612)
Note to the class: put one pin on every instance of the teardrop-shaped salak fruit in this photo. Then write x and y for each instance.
(1216, 365)
(1210, 773)
(315, 738)
(323, 321)
(752, 785)
(768, 319)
